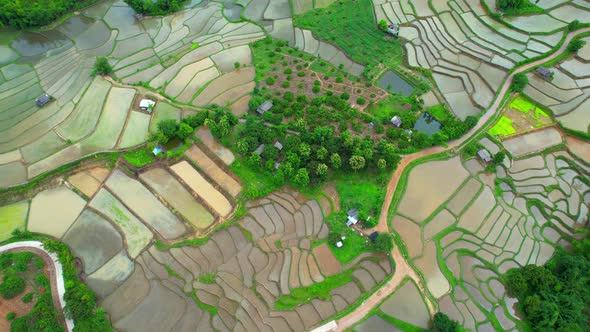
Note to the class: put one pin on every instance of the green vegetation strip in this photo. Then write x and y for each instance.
(320, 290)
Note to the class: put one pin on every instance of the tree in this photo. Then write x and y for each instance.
(381, 164)
(573, 25)
(102, 66)
(322, 171)
(384, 242)
(321, 153)
(519, 81)
(304, 150)
(335, 161)
(575, 45)
(301, 179)
(370, 222)
(12, 286)
(168, 129)
(255, 101)
(357, 162)
(80, 300)
(184, 130)
(443, 323)
(499, 158)
(382, 25)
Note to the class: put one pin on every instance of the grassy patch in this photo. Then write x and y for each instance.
(360, 193)
(211, 309)
(12, 217)
(353, 245)
(527, 107)
(320, 290)
(258, 184)
(139, 158)
(438, 112)
(207, 278)
(351, 26)
(503, 127)
(190, 242)
(172, 273)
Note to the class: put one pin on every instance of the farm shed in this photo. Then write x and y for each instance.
(393, 29)
(147, 104)
(484, 155)
(278, 145)
(352, 218)
(544, 73)
(266, 106)
(396, 121)
(43, 99)
(259, 149)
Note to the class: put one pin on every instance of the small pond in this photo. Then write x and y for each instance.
(427, 124)
(393, 83)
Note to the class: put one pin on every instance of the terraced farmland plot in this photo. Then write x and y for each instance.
(223, 179)
(45, 218)
(178, 197)
(465, 48)
(219, 203)
(240, 264)
(145, 205)
(12, 217)
(520, 116)
(137, 235)
(498, 228)
(160, 51)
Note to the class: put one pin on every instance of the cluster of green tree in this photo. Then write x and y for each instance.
(43, 317)
(519, 81)
(80, 299)
(443, 323)
(154, 8)
(102, 66)
(219, 120)
(310, 156)
(555, 296)
(575, 45)
(33, 13)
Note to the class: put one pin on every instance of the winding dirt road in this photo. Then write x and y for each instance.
(403, 269)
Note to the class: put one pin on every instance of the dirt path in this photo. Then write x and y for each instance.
(55, 271)
(403, 270)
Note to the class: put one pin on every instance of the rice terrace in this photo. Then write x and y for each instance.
(295, 165)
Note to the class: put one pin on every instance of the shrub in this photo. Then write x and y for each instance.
(301, 74)
(315, 89)
(442, 323)
(102, 66)
(12, 286)
(345, 96)
(10, 316)
(28, 298)
(575, 45)
(168, 129)
(270, 80)
(288, 71)
(339, 79)
(519, 81)
(384, 242)
(361, 101)
(285, 84)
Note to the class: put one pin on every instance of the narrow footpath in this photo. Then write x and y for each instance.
(403, 270)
